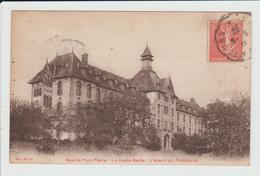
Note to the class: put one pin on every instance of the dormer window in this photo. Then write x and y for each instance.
(110, 82)
(98, 77)
(122, 86)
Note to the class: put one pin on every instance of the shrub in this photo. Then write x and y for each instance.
(179, 141)
(101, 141)
(46, 145)
(152, 140)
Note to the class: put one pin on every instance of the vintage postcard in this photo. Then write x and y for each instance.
(118, 87)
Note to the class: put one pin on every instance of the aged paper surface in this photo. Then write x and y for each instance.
(130, 88)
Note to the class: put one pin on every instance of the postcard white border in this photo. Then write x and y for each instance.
(127, 170)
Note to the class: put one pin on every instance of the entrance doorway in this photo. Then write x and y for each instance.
(166, 142)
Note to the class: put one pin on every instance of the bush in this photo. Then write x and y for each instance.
(152, 140)
(190, 144)
(46, 145)
(179, 141)
(194, 144)
(101, 141)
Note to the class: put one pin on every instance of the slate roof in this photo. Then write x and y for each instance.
(147, 80)
(147, 54)
(69, 65)
(188, 107)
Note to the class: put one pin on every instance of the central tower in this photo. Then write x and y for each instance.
(147, 59)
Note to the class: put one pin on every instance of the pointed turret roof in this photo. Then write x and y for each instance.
(147, 55)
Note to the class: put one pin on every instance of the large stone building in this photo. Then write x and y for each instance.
(68, 81)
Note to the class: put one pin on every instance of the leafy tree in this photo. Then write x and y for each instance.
(195, 144)
(153, 140)
(116, 120)
(179, 141)
(59, 122)
(26, 122)
(228, 126)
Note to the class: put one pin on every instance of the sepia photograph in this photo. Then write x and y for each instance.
(130, 87)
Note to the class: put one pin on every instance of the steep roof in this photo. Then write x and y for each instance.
(188, 107)
(147, 80)
(69, 65)
(147, 54)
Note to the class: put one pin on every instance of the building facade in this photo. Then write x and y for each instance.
(68, 81)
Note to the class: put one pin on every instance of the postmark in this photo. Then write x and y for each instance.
(230, 38)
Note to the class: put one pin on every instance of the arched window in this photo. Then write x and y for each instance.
(59, 90)
(89, 91)
(78, 88)
(59, 107)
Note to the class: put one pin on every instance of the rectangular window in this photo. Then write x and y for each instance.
(159, 96)
(50, 102)
(59, 107)
(166, 98)
(172, 112)
(59, 90)
(172, 126)
(165, 109)
(78, 107)
(98, 95)
(184, 118)
(178, 128)
(89, 91)
(78, 88)
(178, 117)
(158, 123)
(158, 108)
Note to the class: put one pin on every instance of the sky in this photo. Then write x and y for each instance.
(115, 41)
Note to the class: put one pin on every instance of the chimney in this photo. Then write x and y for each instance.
(192, 100)
(84, 59)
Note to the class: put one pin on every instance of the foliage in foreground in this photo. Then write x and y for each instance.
(189, 144)
(228, 126)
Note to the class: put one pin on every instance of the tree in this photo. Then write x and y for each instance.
(26, 122)
(59, 122)
(153, 140)
(180, 140)
(228, 126)
(114, 120)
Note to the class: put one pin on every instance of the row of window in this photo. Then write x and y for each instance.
(47, 82)
(59, 107)
(165, 110)
(184, 118)
(47, 101)
(37, 92)
(166, 125)
(78, 89)
(165, 97)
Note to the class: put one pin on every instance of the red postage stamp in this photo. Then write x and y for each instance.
(225, 41)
